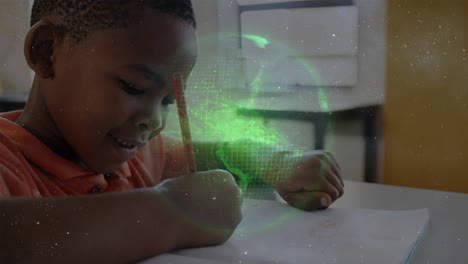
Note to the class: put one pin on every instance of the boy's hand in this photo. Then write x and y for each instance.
(208, 204)
(313, 183)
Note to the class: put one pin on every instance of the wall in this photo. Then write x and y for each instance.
(15, 75)
(426, 113)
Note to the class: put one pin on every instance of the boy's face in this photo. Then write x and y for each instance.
(110, 92)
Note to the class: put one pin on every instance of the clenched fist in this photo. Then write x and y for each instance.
(312, 181)
(208, 204)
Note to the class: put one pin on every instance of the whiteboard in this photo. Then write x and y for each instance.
(305, 46)
(322, 31)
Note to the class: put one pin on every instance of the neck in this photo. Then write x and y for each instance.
(37, 120)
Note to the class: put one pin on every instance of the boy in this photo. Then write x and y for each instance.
(92, 124)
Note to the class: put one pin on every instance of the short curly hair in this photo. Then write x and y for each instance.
(82, 17)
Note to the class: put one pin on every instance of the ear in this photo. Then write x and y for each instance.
(40, 47)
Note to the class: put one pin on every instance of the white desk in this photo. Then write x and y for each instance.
(446, 237)
(444, 240)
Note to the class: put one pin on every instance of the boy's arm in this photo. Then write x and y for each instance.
(107, 228)
(246, 159)
(307, 180)
(120, 227)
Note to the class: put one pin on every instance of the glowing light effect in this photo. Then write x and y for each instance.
(213, 110)
(322, 100)
(260, 41)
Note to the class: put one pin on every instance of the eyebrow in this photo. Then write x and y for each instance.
(150, 74)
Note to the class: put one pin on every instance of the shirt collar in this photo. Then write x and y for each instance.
(42, 156)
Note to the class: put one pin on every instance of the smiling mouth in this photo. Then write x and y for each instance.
(124, 144)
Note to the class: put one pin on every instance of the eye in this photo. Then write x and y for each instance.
(130, 88)
(166, 101)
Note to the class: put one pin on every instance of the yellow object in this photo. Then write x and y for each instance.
(426, 111)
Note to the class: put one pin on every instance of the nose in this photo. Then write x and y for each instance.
(149, 120)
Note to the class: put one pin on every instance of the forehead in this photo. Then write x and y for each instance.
(155, 39)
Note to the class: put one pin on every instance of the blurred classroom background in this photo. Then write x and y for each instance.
(382, 84)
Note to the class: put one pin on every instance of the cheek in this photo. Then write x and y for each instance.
(112, 111)
(108, 108)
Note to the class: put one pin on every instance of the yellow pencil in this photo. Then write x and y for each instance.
(178, 83)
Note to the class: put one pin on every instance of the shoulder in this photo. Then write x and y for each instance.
(168, 149)
(13, 169)
(10, 151)
(160, 148)
(171, 141)
(165, 143)
(161, 158)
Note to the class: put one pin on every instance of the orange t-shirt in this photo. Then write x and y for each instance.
(29, 168)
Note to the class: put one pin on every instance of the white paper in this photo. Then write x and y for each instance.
(271, 232)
